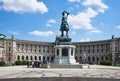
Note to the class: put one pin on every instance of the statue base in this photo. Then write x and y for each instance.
(77, 66)
(63, 40)
(65, 54)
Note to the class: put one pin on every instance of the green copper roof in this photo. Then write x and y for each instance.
(2, 36)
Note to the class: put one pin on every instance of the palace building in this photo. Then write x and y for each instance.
(12, 50)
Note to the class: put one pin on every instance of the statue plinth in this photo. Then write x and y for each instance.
(63, 40)
(64, 54)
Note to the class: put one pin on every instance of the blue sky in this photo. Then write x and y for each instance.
(39, 20)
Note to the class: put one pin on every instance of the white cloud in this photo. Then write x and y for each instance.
(41, 33)
(94, 31)
(22, 6)
(74, 0)
(51, 21)
(13, 32)
(117, 27)
(83, 19)
(98, 3)
(84, 40)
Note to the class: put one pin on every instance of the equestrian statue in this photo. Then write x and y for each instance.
(64, 24)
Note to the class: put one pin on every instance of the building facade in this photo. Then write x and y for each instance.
(12, 50)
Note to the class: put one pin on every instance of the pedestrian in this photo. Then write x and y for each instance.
(32, 64)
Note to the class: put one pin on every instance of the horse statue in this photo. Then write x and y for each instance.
(64, 24)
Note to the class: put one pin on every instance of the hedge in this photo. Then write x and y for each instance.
(106, 62)
(21, 63)
(2, 63)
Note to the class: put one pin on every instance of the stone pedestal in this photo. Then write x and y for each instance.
(65, 54)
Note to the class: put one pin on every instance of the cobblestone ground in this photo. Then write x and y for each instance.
(95, 71)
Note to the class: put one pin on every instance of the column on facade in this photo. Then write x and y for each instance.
(95, 49)
(69, 53)
(45, 49)
(24, 47)
(20, 47)
(41, 49)
(37, 49)
(113, 58)
(113, 50)
(28, 47)
(33, 48)
(95, 58)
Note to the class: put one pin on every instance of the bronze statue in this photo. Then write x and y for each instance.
(64, 24)
(64, 39)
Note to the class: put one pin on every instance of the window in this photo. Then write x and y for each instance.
(89, 58)
(48, 58)
(35, 57)
(106, 58)
(27, 58)
(48, 51)
(31, 58)
(43, 58)
(43, 50)
(9, 48)
(39, 57)
(39, 50)
(9, 59)
(102, 58)
(35, 50)
(93, 58)
(97, 59)
(22, 57)
(116, 48)
(18, 57)
(9, 43)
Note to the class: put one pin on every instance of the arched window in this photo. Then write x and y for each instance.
(93, 58)
(89, 58)
(27, 58)
(39, 57)
(44, 58)
(97, 59)
(102, 58)
(52, 58)
(31, 58)
(22, 57)
(35, 57)
(106, 58)
(48, 58)
(18, 57)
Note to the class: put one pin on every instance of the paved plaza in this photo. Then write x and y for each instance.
(95, 71)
